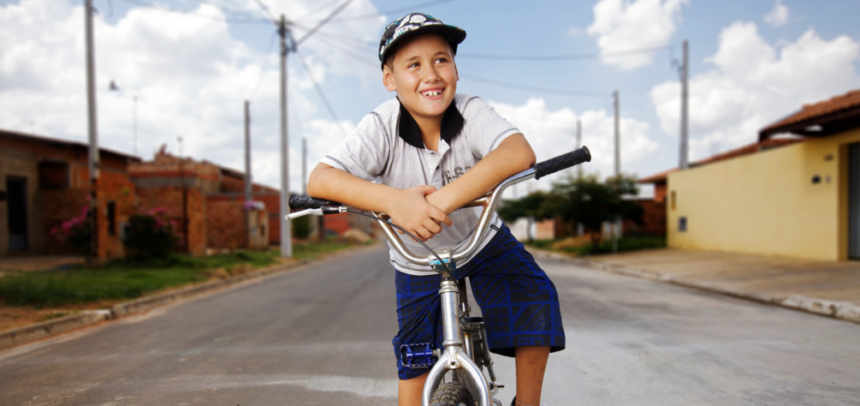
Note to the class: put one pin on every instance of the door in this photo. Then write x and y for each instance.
(854, 201)
(16, 194)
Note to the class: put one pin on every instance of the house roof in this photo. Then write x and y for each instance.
(59, 141)
(827, 117)
(741, 151)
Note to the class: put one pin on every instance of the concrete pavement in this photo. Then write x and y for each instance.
(826, 288)
(322, 336)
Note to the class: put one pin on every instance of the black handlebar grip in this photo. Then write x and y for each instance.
(299, 202)
(562, 162)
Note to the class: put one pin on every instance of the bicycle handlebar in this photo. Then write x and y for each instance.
(560, 162)
(299, 202)
(488, 202)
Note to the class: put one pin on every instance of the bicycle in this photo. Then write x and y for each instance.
(465, 349)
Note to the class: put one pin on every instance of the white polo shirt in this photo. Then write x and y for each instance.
(386, 147)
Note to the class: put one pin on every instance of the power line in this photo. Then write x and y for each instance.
(562, 57)
(534, 88)
(163, 8)
(348, 52)
(320, 91)
(265, 65)
(322, 22)
(318, 8)
(396, 10)
(332, 35)
(266, 10)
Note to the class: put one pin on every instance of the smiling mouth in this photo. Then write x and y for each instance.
(432, 92)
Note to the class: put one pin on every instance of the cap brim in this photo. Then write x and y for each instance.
(454, 34)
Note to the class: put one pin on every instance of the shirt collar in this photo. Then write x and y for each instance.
(452, 123)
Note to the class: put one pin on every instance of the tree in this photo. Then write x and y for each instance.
(529, 207)
(587, 201)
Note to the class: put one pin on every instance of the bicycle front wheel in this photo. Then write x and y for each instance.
(452, 394)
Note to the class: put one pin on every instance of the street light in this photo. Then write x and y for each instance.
(114, 88)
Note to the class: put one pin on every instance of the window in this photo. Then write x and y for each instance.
(673, 200)
(111, 218)
(53, 175)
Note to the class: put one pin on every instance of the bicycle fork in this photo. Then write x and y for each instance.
(454, 357)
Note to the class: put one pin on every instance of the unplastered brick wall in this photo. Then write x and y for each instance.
(226, 225)
(171, 199)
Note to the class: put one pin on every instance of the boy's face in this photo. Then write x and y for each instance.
(424, 75)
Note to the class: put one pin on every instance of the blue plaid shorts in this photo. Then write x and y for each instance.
(518, 302)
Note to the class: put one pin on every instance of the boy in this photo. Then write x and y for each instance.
(431, 151)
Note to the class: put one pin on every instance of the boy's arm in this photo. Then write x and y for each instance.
(407, 207)
(513, 155)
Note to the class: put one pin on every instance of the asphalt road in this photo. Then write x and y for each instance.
(321, 336)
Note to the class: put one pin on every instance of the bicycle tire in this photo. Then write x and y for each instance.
(452, 394)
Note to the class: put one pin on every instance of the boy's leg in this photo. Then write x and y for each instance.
(409, 391)
(531, 365)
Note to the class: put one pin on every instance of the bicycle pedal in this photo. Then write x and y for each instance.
(417, 356)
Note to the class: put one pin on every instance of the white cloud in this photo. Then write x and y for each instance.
(622, 26)
(778, 16)
(553, 132)
(190, 74)
(753, 84)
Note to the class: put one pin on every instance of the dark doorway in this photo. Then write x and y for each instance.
(854, 201)
(16, 192)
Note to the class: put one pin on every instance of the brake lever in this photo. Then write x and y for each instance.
(322, 211)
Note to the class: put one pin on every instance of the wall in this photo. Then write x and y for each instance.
(766, 203)
(226, 222)
(24, 165)
(171, 199)
(653, 220)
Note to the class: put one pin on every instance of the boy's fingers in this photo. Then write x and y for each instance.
(441, 217)
(427, 189)
(433, 226)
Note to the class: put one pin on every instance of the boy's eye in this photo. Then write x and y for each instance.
(413, 64)
(441, 60)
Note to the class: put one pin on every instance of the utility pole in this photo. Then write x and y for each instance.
(286, 243)
(579, 144)
(134, 124)
(617, 225)
(617, 135)
(684, 71)
(93, 162)
(304, 166)
(248, 177)
(184, 195)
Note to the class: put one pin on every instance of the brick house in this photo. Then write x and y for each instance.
(44, 181)
(207, 201)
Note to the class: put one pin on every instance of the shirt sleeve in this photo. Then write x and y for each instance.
(484, 128)
(364, 151)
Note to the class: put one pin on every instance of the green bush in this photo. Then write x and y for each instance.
(151, 234)
(76, 232)
(302, 227)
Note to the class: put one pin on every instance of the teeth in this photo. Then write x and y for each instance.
(432, 93)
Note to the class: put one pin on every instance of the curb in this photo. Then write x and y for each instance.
(839, 310)
(33, 332)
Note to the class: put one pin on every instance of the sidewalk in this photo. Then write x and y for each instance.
(826, 288)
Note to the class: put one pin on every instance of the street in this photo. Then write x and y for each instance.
(321, 336)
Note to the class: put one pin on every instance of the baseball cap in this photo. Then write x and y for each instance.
(414, 24)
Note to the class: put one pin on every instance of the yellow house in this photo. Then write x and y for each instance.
(799, 200)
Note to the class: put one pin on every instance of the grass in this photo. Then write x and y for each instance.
(605, 247)
(129, 278)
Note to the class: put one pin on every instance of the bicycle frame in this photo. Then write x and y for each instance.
(459, 351)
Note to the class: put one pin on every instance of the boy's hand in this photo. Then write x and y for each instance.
(409, 209)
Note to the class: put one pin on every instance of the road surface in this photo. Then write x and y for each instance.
(321, 336)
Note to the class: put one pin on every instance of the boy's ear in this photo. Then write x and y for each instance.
(388, 78)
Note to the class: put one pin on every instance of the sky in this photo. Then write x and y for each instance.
(191, 64)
